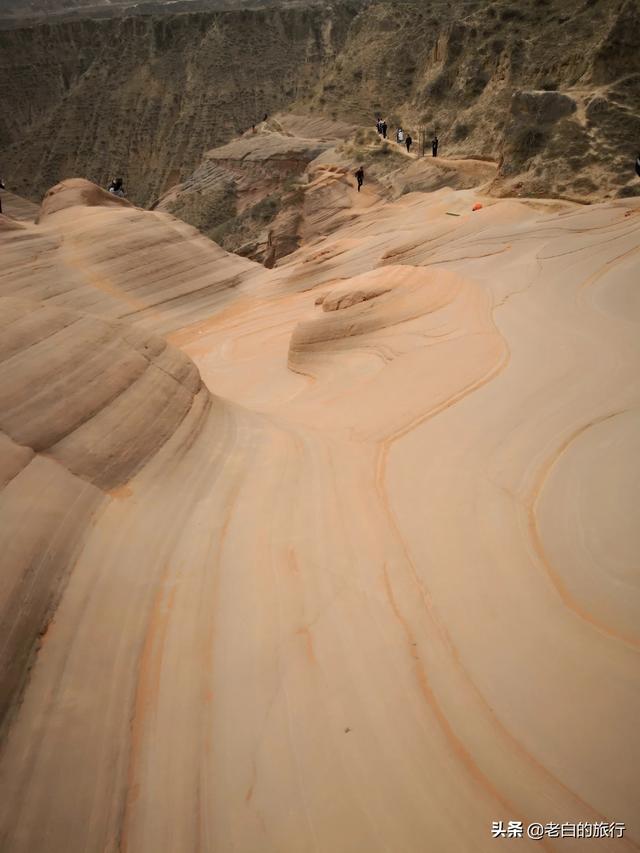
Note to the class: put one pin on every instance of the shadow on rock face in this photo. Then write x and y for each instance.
(542, 106)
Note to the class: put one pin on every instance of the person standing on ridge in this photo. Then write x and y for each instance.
(409, 143)
(434, 145)
(116, 187)
(360, 177)
(384, 128)
(638, 165)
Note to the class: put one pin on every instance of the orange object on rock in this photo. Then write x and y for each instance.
(477, 206)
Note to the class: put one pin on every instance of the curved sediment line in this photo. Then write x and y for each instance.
(146, 698)
(534, 533)
(461, 750)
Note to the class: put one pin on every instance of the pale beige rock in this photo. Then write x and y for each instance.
(375, 587)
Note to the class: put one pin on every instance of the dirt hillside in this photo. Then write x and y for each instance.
(146, 97)
(548, 89)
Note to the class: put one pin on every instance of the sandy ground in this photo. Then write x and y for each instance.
(18, 208)
(375, 585)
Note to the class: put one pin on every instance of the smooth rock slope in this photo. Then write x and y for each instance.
(334, 556)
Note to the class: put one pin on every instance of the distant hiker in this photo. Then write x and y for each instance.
(379, 125)
(265, 117)
(253, 128)
(384, 128)
(434, 145)
(116, 187)
(399, 136)
(2, 187)
(409, 143)
(360, 177)
(638, 165)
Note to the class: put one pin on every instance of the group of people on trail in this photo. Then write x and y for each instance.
(116, 187)
(381, 127)
(403, 138)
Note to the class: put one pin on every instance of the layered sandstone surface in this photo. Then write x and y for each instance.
(334, 556)
(249, 195)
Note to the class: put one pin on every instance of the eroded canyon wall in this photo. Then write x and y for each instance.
(144, 97)
(549, 89)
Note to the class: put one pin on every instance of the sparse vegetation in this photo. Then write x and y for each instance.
(527, 142)
(241, 228)
(454, 65)
(511, 13)
(439, 87)
(265, 210)
(206, 211)
(461, 131)
(385, 150)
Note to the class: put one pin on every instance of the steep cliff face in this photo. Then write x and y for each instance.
(454, 68)
(548, 89)
(15, 12)
(144, 97)
(248, 195)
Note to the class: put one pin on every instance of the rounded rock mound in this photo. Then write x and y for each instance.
(77, 192)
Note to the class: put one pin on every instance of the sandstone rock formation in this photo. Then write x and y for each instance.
(17, 208)
(246, 195)
(334, 556)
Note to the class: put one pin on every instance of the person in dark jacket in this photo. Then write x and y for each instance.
(384, 129)
(360, 177)
(638, 165)
(116, 187)
(434, 145)
(408, 143)
(2, 187)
